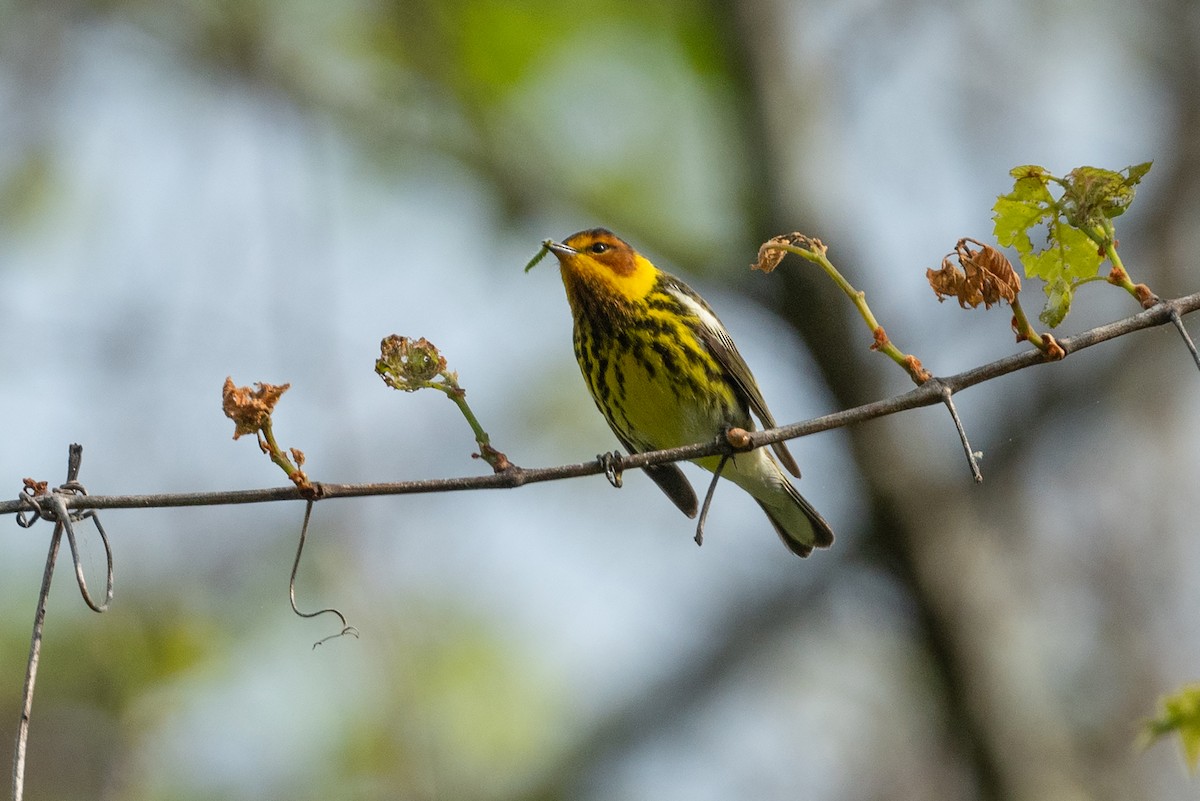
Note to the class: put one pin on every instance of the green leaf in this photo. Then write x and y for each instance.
(1136, 172)
(1028, 204)
(1077, 228)
(1045, 264)
(1091, 193)
(1079, 255)
(1030, 171)
(1058, 303)
(1069, 255)
(1011, 221)
(1180, 713)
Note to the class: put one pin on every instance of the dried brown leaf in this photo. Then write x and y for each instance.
(770, 256)
(771, 252)
(250, 409)
(986, 276)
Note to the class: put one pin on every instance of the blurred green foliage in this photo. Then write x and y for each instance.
(1179, 715)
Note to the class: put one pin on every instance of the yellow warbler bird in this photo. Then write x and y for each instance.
(664, 372)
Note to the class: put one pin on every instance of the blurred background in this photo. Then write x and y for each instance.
(265, 189)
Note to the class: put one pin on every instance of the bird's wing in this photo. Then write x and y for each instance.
(670, 479)
(714, 336)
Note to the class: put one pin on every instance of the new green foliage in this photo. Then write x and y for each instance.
(1079, 234)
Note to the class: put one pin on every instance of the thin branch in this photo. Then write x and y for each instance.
(932, 391)
(1187, 338)
(948, 399)
(708, 496)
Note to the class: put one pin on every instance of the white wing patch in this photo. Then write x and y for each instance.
(707, 318)
(737, 369)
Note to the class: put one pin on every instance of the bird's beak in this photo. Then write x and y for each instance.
(560, 250)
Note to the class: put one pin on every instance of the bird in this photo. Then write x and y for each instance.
(664, 372)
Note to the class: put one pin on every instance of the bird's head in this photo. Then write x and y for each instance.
(597, 262)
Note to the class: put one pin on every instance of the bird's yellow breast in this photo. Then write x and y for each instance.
(657, 385)
(662, 411)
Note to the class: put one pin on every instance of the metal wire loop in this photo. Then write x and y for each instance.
(33, 504)
(64, 520)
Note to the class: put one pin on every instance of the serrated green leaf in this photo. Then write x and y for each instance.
(1075, 222)
(1104, 180)
(1044, 264)
(1135, 172)
(1028, 204)
(1069, 258)
(1079, 256)
(1029, 171)
(1015, 213)
(1058, 303)
(1033, 189)
(1011, 221)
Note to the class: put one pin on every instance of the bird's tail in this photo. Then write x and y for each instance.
(795, 520)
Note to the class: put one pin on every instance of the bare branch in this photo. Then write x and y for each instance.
(972, 459)
(932, 391)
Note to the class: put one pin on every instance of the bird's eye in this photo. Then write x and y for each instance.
(599, 247)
